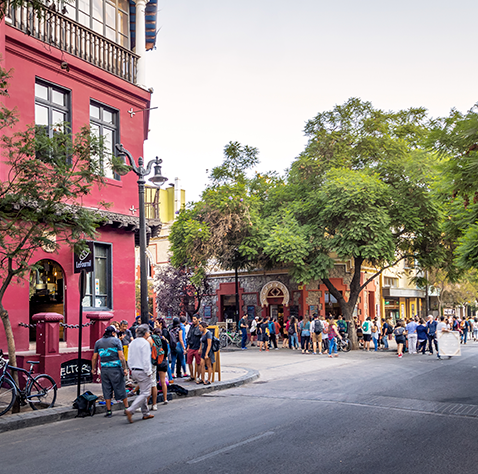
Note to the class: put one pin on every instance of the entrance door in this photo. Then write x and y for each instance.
(47, 292)
(277, 311)
(228, 307)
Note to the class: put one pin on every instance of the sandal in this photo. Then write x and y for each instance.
(207, 383)
(199, 381)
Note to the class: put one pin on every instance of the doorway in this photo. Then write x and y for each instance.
(228, 307)
(47, 290)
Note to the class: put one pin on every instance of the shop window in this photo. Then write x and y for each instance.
(104, 123)
(98, 294)
(52, 107)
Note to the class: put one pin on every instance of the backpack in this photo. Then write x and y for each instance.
(291, 330)
(318, 326)
(157, 352)
(272, 327)
(216, 344)
(174, 336)
(85, 404)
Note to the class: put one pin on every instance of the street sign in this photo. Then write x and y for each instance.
(85, 260)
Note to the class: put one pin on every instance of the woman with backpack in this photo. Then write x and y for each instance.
(207, 354)
(293, 341)
(166, 341)
(160, 366)
(305, 334)
(400, 338)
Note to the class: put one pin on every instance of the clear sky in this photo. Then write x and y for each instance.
(254, 71)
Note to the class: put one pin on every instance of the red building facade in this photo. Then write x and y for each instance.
(64, 72)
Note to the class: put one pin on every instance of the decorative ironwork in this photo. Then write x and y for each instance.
(63, 325)
(73, 38)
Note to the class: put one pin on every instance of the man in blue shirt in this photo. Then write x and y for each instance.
(113, 367)
(432, 334)
(412, 337)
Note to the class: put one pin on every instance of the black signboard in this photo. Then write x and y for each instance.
(85, 260)
(69, 372)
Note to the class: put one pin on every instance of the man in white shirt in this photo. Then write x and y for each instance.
(441, 327)
(139, 362)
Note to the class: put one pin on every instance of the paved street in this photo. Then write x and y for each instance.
(359, 413)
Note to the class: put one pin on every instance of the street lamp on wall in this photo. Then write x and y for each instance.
(158, 179)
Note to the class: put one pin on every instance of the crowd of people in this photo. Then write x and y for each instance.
(149, 355)
(317, 335)
(154, 354)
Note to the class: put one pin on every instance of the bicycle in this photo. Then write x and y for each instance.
(39, 391)
(233, 338)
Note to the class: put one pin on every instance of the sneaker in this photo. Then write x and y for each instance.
(276, 348)
(154, 407)
(400, 356)
(165, 402)
(138, 410)
(315, 353)
(108, 414)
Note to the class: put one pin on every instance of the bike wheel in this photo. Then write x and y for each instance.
(41, 393)
(346, 345)
(223, 341)
(8, 393)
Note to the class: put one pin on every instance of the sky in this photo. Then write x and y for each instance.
(255, 71)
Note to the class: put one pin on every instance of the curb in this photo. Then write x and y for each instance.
(18, 421)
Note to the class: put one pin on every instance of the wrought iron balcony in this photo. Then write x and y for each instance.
(73, 38)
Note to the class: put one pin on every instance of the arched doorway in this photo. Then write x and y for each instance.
(47, 291)
(274, 296)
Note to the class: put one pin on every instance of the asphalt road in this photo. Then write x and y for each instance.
(360, 413)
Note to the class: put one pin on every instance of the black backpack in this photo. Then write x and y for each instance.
(85, 404)
(318, 326)
(216, 344)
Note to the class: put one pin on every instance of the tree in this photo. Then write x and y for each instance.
(223, 228)
(360, 192)
(455, 139)
(177, 291)
(40, 201)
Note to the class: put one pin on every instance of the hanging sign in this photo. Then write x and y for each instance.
(85, 260)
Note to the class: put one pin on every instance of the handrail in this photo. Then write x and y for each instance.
(78, 40)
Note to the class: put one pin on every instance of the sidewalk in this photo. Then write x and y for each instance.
(230, 377)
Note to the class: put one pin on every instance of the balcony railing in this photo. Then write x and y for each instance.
(73, 38)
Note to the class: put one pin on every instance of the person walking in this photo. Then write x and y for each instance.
(192, 349)
(316, 333)
(125, 336)
(441, 327)
(139, 362)
(465, 327)
(367, 333)
(431, 330)
(333, 334)
(113, 368)
(305, 334)
(243, 328)
(412, 336)
(263, 334)
(400, 334)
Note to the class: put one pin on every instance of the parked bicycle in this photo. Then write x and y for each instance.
(227, 338)
(344, 343)
(39, 392)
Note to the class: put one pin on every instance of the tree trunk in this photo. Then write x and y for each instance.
(12, 357)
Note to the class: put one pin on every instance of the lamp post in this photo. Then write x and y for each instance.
(158, 180)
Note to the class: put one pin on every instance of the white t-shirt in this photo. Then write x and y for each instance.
(440, 326)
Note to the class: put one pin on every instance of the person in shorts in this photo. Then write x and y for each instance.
(192, 349)
(316, 332)
(113, 368)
